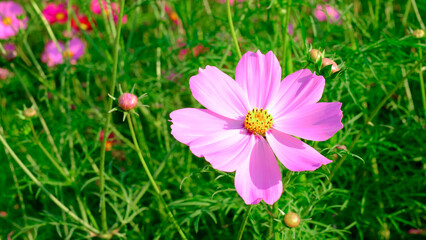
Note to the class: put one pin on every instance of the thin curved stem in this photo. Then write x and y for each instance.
(108, 121)
(231, 26)
(151, 179)
(244, 223)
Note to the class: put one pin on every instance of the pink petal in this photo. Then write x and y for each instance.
(76, 46)
(316, 122)
(259, 177)
(192, 123)
(293, 153)
(225, 150)
(297, 89)
(218, 92)
(259, 75)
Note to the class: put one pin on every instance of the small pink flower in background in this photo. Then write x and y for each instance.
(197, 50)
(115, 8)
(4, 73)
(172, 15)
(11, 19)
(417, 231)
(83, 23)
(10, 51)
(232, 2)
(182, 53)
(55, 13)
(250, 121)
(330, 13)
(290, 29)
(52, 56)
(3, 214)
(110, 141)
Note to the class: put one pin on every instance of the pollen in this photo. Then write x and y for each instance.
(60, 16)
(7, 21)
(68, 54)
(258, 121)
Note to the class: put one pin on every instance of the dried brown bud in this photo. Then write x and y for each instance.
(418, 33)
(29, 112)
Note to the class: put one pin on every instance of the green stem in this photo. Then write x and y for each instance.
(244, 223)
(40, 185)
(231, 26)
(286, 51)
(422, 82)
(108, 121)
(33, 59)
(151, 179)
(46, 25)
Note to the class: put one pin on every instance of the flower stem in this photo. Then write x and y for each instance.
(244, 223)
(108, 121)
(151, 179)
(231, 26)
(286, 51)
(422, 82)
(40, 185)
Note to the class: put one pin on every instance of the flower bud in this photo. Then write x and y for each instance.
(29, 112)
(418, 33)
(292, 220)
(328, 61)
(315, 55)
(127, 101)
(4, 73)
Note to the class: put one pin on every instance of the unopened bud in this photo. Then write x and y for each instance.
(29, 112)
(328, 61)
(418, 33)
(4, 73)
(127, 101)
(292, 220)
(315, 55)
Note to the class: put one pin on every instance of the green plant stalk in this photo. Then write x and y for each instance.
(40, 116)
(46, 25)
(108, 121)
(244, 222)
(286, 51)
(33, 59)
(151, 179)
(231, 26)
(422, 82)
(40, 185)
(286, 180)
(419, 17)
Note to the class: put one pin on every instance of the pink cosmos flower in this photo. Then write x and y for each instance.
(10, 19)
(55, 13)
(115, 8)
(52, 56)
(329, 13)
(250, 121)
(10, 51)
(4, 73)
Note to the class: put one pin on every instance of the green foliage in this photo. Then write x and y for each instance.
(377, 193)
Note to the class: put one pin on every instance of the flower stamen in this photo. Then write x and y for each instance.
(258, 121)
(7, 21)
(60, 16)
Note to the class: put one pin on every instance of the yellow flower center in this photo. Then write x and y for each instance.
(68, 54)
(7, 21)
(258, 121)
(84, 26)
(60, 16)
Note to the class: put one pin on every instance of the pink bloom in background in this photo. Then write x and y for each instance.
(55, 13)
(83, 23)
(330, 13)
(290, 29)
(115, 8)
(52, 56)
(250, 121)
(10, 22)
(10, 50)
(232, 2)
(4, 73)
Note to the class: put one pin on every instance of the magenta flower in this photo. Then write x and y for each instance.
(329, 13)
(249, 121)
(52, 56)
(115, 8)
(10, 51)
(55, 13)
(11, 19)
